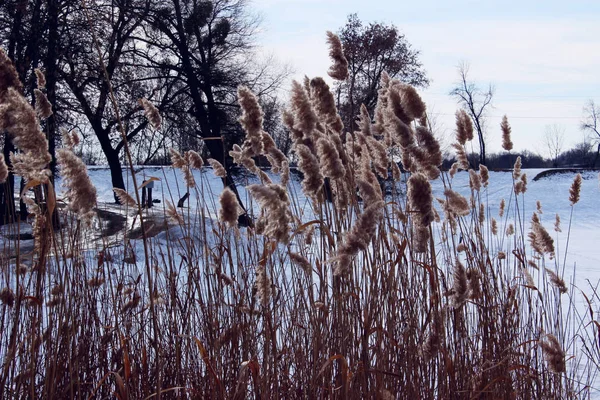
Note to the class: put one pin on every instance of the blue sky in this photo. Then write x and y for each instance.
(543, 57)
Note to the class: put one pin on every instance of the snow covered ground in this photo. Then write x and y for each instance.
(552, 192)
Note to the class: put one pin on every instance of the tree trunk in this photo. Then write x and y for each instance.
(112, 157)
(51, 77)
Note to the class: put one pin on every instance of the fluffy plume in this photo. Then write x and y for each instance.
(494, 227)
(457, 203)
(507, 144)
(217, 167)
(453, 169)
(172, 213)
(230, 208)
(274, 204)
(464, 127)
(378, 154)
(79, 188)
(481, 213)
(364, 121)
(124, 197)
(460, 287)
(557, 281)
(517, 168)
(3, 169)
(554, 354)
(510, 230)
(412, 102)
(557, 224)
(7, 296)
(309, 165)
(575, 190)
(501, 208)
(43, 107)
(251, 120)
(461, 156)
(539, 238)
(324, 103)
(484, 174)
(195, 159)
(151, 113)
(339, 69)
(381, 107)
(8, 75)
(40, 78)
(18, 118)
(176, 158)
(69, 139)
(331, 165)
(358, 238)
(404, 102)
(300, 261)
(430, 145)
(304, 117)
(420, 198)
(421, 238)
(474, 180)
(263, 285)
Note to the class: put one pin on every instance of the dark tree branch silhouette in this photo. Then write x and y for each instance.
(475, 101)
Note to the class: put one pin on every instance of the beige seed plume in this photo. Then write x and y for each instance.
(79, 188)
(420, 198)
(43, 107)
(554, 354)
(517, 168)
(329, 159)
(40, 78)
(8, 75)
(304, 118)
(339, 69)
(507, 144)
(195, 159)
(557, 281)
(484, 174)
(151, 113)
(251, 120)
(230, 208)
(172, 213)
(474, 180)
(309, 165)
(460, 285)
(3, 169)
(575, 190)
(19, 120)
(358, 238)
(457, 203)
(557, 224)
(324, 104)
(217, 167)
(464, 127)
(124, 197)
(300, 261)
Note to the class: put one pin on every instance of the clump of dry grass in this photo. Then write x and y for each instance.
(357, 292)
(78, 187)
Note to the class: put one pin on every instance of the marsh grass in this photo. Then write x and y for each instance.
(353, 288)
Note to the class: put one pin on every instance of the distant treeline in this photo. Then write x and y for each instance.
(579, 156)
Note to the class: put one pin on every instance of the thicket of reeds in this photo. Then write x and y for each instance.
(353, 289)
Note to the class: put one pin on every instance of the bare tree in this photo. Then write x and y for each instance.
(475, 101)
(554, 139)
(591, 124)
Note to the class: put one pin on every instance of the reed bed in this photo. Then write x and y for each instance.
(362, 285)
